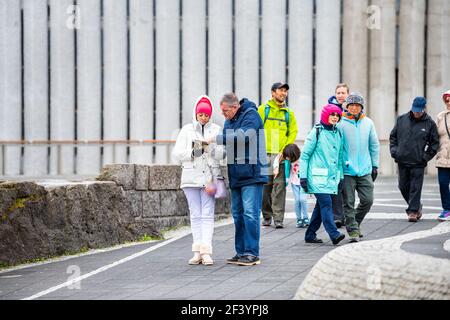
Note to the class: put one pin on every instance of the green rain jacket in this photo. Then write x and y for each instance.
(275, 127)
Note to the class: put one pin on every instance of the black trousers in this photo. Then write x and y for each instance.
(336, 199)
(410, 182)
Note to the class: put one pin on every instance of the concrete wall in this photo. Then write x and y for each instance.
(132, 69)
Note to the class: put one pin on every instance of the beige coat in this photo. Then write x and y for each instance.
(443, 155)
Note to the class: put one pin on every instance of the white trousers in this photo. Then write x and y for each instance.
(201, 209)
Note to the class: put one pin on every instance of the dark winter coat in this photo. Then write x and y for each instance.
(244, 139)
(414, 142)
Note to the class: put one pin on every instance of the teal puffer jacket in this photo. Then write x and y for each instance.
(321, 160)
(361, 146)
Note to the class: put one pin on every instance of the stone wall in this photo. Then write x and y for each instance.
(155, 194)
(43, 219)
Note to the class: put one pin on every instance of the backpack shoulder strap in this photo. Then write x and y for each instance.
(286, 118)
(266, 113)
(317, 126)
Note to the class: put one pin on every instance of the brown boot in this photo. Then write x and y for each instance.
(419, 214)
(412, 217)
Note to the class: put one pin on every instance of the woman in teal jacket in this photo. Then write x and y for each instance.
(321, 170)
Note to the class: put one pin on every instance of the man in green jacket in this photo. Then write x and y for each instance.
(280, 128)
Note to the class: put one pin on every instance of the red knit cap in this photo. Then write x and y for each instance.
(446, 95)
(204, 106)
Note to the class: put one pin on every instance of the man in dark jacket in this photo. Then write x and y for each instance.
(413, 142)
(243, 136)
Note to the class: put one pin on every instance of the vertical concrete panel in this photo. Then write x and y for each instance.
(10, 84)
(193, 55)
(273, 27)
(301, 64)
(412, 50)
(62, 91)
(115, 109)
(438, 59)
(355, 45)
(89, 92)
(220, 53)
(141, 77)
(328, 24)
(438, 54)
(246, 49)
(167, 74)
(382, 79)
(36, 84)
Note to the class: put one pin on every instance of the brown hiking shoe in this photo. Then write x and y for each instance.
(419, 214)
(412, 217)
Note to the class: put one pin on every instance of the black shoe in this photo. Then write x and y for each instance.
(316, 240)
(338, 223)
(339, 239)
(267, 222)
(233, 260)
(360, 235)
(248, 261)
(279, 225)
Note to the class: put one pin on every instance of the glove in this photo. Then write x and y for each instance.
(304, 184)
(374, 173)
(197, 152)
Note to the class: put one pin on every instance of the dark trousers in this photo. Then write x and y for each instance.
(364, 187)
(337, 200)
(444, 182)
(410, 182)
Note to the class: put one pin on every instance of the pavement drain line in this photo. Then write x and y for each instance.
(172, 235)
(379, 270)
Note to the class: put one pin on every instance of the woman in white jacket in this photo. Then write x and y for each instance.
(198, 169)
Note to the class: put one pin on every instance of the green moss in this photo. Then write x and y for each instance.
(19, 203)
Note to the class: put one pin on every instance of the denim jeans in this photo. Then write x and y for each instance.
(444, 181)
(301, 202)
(246, 204)
(323, 212)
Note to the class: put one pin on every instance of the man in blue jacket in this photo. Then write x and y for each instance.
(361, 157)
(243, 136)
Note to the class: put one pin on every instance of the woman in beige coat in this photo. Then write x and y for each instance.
(443, 157)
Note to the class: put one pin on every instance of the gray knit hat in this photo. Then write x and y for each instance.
(355, 98)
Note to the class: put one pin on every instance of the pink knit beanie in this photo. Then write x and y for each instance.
(327, 110)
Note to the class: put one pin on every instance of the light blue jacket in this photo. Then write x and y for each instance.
(321, 160)
(361, 146)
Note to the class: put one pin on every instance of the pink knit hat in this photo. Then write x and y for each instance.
(327, 110)
(204, 106)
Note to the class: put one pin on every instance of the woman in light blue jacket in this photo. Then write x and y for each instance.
(361, 156)
(321, 170)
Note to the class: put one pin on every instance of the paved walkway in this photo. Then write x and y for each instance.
(159, 270)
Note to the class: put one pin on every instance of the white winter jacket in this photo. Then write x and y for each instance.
(198, 171)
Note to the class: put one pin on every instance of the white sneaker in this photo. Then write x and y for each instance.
(196, 259)
(207, 260)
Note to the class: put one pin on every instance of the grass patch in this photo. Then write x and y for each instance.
(147, 237)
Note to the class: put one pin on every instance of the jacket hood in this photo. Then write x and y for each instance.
(333, 100)
(202, 98)
(247, 104)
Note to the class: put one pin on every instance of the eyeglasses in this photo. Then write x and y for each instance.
(335, 114)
